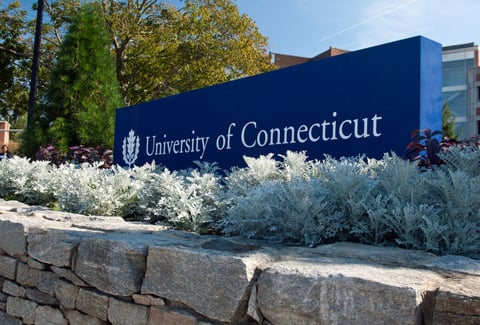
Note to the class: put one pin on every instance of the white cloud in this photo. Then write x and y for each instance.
(361, 24)
(448, 22)
(308, 27)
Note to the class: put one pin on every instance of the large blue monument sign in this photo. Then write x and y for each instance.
(362, 102)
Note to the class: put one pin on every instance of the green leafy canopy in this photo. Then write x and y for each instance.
(80, 102)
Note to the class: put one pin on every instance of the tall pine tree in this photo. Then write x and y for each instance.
(79, 107)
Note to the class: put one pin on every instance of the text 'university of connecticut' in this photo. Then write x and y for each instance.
(252, 135)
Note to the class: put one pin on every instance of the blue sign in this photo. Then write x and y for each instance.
(362, 102)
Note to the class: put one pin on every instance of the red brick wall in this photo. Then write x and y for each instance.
(4, 136)
(284, 61)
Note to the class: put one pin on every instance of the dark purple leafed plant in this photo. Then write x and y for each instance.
(424, 147)
(76, 155)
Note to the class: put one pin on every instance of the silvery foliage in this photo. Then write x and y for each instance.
(30, 182)
(437, 210)
(296, 200)
(188, 199)
(8, 172)
(292, 200)
(92, 191)
(455, 228)
(382, 202)
(294, 212)
(351, 188)
(464, 158)
(400, 195)
(453, 190)
(241, 180)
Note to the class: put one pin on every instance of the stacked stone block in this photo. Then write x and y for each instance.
(60, 268)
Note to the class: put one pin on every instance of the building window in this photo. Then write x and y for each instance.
(457, 100)
(478, 93)
(455, 72)
(478, 127)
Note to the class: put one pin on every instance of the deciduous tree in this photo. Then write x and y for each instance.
(15, 57)
(162, 50)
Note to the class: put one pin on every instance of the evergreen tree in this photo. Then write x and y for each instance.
(448, 122)
(79, 106)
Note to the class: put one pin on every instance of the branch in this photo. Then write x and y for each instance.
(16, 53)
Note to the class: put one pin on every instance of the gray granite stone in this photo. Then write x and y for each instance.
(112, 266)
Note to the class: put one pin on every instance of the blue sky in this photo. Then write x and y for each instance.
(309, 27)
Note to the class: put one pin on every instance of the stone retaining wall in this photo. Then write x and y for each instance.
(61, 268)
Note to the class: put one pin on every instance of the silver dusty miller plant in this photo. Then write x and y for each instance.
(188, 200)
(291, 200)
(294, 212)
(29, 182)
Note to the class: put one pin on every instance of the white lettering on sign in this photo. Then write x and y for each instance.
(167, 147)
(252, 135)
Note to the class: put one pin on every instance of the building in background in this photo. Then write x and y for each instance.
(4, 133)
(473, 100)
(285, 60)
(460, 88)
